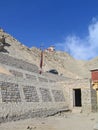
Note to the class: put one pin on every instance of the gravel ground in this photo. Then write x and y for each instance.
(65, 121)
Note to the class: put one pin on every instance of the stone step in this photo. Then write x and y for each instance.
(77, 110)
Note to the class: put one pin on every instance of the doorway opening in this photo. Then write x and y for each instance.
(77, 97)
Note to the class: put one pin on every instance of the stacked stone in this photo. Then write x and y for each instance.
(11, 61)
(10, 92)
(30, 94)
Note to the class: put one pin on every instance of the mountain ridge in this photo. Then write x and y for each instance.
(65, 64)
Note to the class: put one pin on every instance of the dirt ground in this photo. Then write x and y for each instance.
(65, 121)
(4, 71)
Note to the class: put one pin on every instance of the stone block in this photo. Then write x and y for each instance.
(46, 96)
(30, 94)
(10, 92)
(58, 95)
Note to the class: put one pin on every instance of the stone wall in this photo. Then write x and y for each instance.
(88, 96)
(27, 94)
(10, 92)
(30, 94)
(94, 99)
(86, 99)
(58, 95)
(11, 61)
(35, 88)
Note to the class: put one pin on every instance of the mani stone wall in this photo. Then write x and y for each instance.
(20, 99)
(26, 94)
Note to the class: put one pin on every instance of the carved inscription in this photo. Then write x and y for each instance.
(58, 95)
(46, 97)
(30, 94)
(10, 92)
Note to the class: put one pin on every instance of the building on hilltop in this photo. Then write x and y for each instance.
(50, 49)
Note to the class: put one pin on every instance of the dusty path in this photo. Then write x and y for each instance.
(65, 122)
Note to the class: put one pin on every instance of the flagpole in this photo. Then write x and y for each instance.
(41, 59)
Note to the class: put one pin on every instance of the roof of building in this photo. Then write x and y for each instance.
(94, 70)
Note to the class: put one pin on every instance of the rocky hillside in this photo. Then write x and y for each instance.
(61, 61)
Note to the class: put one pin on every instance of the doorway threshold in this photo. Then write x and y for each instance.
(77, 110)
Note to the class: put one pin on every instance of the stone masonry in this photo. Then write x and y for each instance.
(26, 93)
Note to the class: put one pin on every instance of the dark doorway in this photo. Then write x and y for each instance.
(77, 97)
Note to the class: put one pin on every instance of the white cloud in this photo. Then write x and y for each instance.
(85, 48)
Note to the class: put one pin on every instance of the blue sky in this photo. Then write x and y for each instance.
(70, 25)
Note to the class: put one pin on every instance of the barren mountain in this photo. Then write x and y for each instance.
(65, 64)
